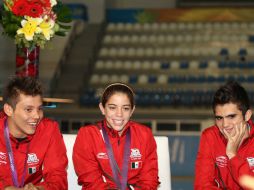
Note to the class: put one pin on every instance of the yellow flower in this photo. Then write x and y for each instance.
(30, 27)
(47, 28)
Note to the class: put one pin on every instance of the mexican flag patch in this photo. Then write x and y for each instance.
(136, 165)
(31, 170)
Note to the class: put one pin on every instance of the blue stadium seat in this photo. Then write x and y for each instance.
(243, 52)
(165, 65)
(152, 79)
(184, 65)
(203, 65)
(222, 64)
(133, 79)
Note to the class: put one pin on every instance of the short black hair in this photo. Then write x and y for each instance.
(232, 92)
(21, 85)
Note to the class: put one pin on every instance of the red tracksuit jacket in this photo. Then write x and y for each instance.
(212, 151)
(47, 158)
(92, 164)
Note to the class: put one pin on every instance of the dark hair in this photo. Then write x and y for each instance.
(232, 92)
(21, 85)
(115, 88)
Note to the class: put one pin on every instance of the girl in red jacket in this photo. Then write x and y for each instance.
(116, 153)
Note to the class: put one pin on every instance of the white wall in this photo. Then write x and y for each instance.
(140, 3)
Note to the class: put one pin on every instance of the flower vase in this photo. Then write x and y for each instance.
(27, 61)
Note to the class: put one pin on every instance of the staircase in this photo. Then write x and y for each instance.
(76, 70)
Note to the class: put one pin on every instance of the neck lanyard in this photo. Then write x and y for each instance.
(11, 159)
(113, 164)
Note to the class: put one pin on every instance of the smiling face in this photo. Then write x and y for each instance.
(117, 111)
(228, 116)
(25, 117)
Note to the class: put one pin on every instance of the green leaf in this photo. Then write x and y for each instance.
(60, 33)
(67, 27)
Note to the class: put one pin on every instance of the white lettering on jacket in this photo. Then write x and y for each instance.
(221, 161)
(3, 158)
(135, 154)
(32, 158)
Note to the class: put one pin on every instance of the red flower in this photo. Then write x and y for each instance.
(44, 3)
(32, 70)
(20, 61)
(19, 8)
(34, 10)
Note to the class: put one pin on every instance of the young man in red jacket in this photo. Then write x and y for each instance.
(226, 149)
(32, 151)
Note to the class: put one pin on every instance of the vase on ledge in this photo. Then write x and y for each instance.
(27, 61)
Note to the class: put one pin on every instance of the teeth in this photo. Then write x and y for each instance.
(33, 124)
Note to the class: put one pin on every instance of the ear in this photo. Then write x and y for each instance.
(102, 108)
(8, 109)
(248, 115)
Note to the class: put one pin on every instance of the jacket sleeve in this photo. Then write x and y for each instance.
(85, 163)
(205, 167)
(240, 166)
(149, 173)
(55, 163)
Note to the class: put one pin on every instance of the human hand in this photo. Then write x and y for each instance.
(30, 186)
(12, 188)
(235, 138)
(247, 181)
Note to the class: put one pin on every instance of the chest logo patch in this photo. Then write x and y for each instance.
(3, 158)
(221, 161)
(32, 159)
(250, 160)
(135, 154)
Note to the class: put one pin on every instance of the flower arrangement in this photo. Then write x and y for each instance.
(34, 22)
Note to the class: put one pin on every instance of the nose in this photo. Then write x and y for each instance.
(37, 114)
(119, 112)
(225, 122)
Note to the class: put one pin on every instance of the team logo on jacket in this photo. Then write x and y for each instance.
(32, 159)
(221, 161)
(3, 158)
(250, 161)
(102, 155)
(135, 154)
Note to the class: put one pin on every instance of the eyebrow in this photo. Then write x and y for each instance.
(116, 105)
(229, 115)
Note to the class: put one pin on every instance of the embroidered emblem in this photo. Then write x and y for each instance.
(221, 161)
(136, 165)
(32, 159)
(250, 161)
(3, 158)
(135, 154)
(31, 170)
(102, 155)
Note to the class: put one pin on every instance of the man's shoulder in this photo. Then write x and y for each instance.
(89, 128)
(47, 124)
(211, 131)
